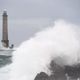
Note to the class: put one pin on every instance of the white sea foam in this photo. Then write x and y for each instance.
(4, 72)
(60, 43)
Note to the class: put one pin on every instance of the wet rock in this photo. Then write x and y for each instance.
(58, 73)
(42, 76)
(73, 71)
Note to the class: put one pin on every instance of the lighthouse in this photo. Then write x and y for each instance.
(5, 41)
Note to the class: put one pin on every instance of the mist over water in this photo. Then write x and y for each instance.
(60, 42)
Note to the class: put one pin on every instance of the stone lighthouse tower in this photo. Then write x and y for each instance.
(5, 41)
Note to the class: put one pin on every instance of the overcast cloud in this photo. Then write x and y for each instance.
(29, 16)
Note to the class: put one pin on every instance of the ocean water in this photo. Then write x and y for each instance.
(5, 62)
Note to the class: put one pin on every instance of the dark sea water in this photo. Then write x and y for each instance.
(5, 62)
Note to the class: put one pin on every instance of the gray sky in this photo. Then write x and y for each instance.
(29, 16)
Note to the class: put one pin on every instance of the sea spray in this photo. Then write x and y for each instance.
(60, 43)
